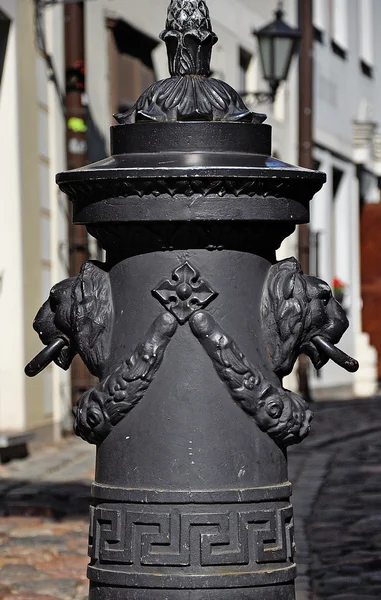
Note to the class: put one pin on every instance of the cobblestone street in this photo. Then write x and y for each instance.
(44, 523)
(337, 498)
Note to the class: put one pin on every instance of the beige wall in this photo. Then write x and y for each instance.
(44, 209)
(30, 193)
(59, 204)
(41, 238)
(12, 399)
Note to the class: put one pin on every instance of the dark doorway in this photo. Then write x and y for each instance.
(131, 67)
(371, 274)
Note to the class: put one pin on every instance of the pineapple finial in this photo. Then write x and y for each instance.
(184, 15)
(189, 38)
(190, 94)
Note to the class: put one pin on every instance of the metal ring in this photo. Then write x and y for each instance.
(338, 356)
(45, 357)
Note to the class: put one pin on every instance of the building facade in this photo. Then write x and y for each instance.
(33, 238)
(347, 118)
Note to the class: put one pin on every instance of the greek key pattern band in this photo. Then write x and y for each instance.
(195, 539)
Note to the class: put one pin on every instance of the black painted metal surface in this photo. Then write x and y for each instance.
(190, 326)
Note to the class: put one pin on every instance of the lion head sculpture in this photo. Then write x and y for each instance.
(79, 311)
(295, 309)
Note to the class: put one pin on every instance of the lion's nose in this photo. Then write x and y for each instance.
(338, 356)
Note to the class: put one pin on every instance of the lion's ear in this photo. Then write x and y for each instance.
(289, 285)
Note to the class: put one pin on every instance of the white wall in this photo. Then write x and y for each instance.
(51, 148)
(58, 202)
(341, 87)
(337, 239)
(12, 393)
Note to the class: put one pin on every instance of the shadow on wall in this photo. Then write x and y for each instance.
(4, 33)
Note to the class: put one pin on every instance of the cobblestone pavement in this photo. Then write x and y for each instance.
(337, 501)
(336, 474)
(44, 504)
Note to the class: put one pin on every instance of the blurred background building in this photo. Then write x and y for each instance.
(122, 57)
(33, 231)
(347, 115)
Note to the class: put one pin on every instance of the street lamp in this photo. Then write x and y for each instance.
(278, 43)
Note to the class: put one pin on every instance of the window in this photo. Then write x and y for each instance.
(244, 64)
(339, 27)
(131, 65)
(366, 50)
(320, 19)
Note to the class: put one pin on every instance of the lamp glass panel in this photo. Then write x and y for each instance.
(265, 49)
(283, 49)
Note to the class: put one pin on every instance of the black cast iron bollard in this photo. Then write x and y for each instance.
(190, 326)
